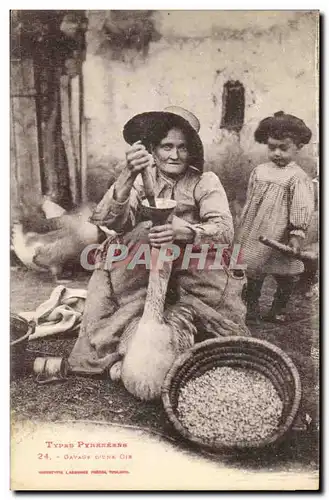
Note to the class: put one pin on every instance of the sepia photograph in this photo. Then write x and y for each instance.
(164, 250)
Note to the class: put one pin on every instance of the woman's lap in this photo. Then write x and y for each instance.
(115, 298)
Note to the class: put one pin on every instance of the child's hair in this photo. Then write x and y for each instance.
(281, 126)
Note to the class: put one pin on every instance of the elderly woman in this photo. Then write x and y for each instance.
(211, 299)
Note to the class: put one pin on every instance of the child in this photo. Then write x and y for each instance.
(279, 206)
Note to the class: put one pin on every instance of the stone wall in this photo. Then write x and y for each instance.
(151, 59)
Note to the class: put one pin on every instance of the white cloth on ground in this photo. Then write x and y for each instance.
(61, 313)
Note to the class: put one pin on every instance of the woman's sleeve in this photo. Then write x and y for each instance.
(114, 215)
(301, 205)
(216, 224)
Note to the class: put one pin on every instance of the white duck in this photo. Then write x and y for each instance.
(48, 240)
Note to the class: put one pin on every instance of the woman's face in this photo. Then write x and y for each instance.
(171, 155)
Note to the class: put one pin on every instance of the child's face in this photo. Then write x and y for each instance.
(282, 151)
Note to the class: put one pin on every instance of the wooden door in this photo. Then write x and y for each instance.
(24, 162)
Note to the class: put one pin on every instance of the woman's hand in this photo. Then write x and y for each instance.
(138, 158)
(160, 235)
(176, 230)
(138, 235)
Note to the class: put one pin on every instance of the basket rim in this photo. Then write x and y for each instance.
(18, 317)
(182, 359)
(29, 327)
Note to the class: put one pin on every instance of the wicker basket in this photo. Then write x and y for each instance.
(20, 330)
(238, 352)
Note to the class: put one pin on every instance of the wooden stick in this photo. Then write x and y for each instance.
(285, 249)
(148, 186)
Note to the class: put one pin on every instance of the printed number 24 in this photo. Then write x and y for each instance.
(42, 455)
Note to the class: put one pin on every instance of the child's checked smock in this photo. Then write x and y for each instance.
(279, 204)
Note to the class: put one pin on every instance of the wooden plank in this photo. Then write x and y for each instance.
(47, 85)
(76, 128)
(48, 135)
(14, 199)
(26, 137)
(22, 78)
(75, 113)
(83, 166)
(28, 170)
(67, 136)
(53, 163)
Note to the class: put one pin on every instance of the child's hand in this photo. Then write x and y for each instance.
(294, 243)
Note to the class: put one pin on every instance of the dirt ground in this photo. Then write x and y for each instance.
(99, 399)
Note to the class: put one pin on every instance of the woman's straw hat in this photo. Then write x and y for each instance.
(141, 127)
